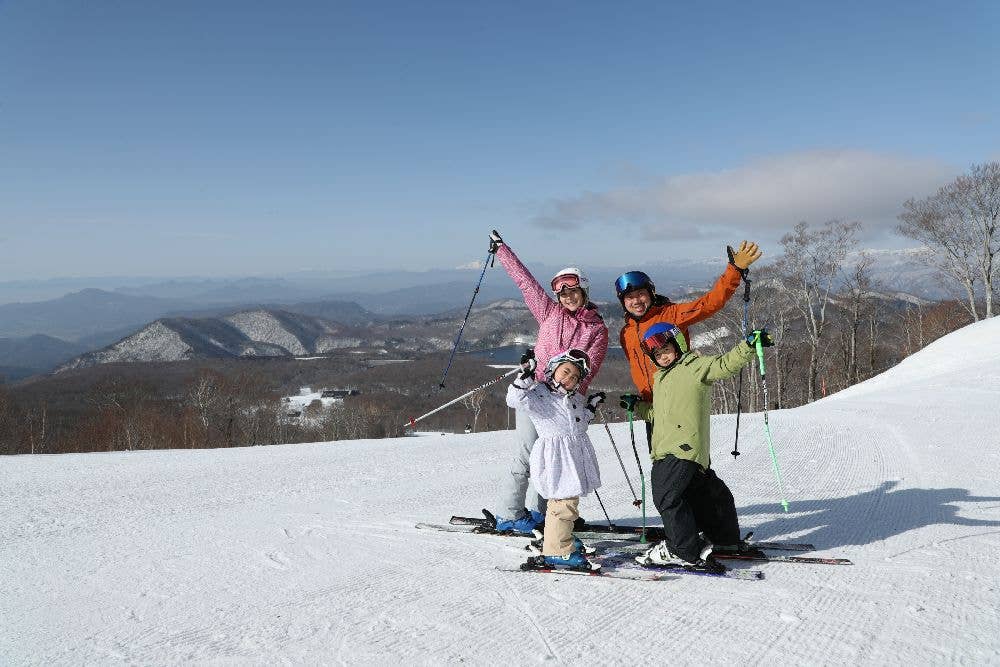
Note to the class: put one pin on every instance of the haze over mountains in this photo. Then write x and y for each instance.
(147, 319)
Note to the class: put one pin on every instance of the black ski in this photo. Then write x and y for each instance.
(756, 555)
(633, 575)
(625, 560)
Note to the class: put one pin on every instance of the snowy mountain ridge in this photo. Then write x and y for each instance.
(252, 333)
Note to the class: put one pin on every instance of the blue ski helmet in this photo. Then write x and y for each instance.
(660, 335)
(633, 280)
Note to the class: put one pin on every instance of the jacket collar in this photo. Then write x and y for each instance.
(587, 313)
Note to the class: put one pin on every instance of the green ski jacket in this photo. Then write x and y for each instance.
(682, 403)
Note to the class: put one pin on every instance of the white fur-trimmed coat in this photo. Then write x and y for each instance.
(563, 461)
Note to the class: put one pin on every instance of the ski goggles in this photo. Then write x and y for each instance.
(565, 281)
(632, 280)
(576, 357)
(656, 341)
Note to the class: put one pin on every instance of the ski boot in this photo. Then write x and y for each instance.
(660, 555)
(521, 526)
(536, 545)
(574, 561)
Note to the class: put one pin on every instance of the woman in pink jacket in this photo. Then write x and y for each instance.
(566, 319)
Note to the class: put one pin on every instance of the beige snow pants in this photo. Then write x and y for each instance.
(559, 518)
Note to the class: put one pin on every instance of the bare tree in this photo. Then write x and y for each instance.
(204, 396)
(858, 292)
(811, 264)
(474, 403)
(774, 307)
(960, 225)
(123, 402)
(8, 423)
(37, 427)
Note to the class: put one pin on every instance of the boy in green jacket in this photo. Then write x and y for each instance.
(686, 491)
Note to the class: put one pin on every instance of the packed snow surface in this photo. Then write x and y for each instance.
(309, 554)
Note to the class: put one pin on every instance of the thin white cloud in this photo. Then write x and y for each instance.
(771, 193)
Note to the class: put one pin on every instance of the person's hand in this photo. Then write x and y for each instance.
(628, 401)
(766, 340)
(595, 400)
(495, 241)
(748, 253)
(528, 364)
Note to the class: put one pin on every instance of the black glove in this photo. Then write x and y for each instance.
(766, 340)
(495, 241)
(628, 401)
(528, 364)
(594, 400)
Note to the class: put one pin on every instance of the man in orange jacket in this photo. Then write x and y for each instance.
(644, 307)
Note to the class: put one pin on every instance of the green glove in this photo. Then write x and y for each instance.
(628, 401)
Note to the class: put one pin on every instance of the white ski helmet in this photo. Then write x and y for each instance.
(578, 358)
(571, 276)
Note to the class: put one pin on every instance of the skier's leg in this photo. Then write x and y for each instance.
(514, 487)
(670, 479)
(715, 509)
(559, 517)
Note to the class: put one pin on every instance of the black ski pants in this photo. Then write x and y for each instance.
(691, 499)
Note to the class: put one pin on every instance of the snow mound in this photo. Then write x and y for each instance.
(966, 358)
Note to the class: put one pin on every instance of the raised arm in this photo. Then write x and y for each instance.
(713, 368)
(535, 296)
(690, 312)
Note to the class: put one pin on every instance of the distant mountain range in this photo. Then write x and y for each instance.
(420, 309)
(88, 313)
(22, 357)
(256, 333)
(277, 333)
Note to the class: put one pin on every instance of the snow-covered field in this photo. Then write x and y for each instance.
(308, 553)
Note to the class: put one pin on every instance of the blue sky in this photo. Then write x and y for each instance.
(257, 138)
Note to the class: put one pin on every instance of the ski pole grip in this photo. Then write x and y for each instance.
(760, 353)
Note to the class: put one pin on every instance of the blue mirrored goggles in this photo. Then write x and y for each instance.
(632, 280)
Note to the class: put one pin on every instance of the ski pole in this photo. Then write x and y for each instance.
(642, 476)
(767, 428)
(744, 273)
(462, 328)
(603, 508)
(635, 500)
(468, 393)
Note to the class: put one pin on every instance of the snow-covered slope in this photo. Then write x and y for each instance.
(308, 553)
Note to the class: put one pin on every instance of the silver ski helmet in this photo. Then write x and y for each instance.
(578, 358)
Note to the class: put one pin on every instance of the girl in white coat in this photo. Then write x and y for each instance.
(563, 462)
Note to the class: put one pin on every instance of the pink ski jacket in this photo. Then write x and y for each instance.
(558, 329)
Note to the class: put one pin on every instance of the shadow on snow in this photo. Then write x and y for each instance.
(860, 519)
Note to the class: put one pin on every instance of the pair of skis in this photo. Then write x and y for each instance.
(617, 556)
(747, 550)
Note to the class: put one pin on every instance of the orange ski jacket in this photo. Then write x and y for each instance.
(681, 314)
